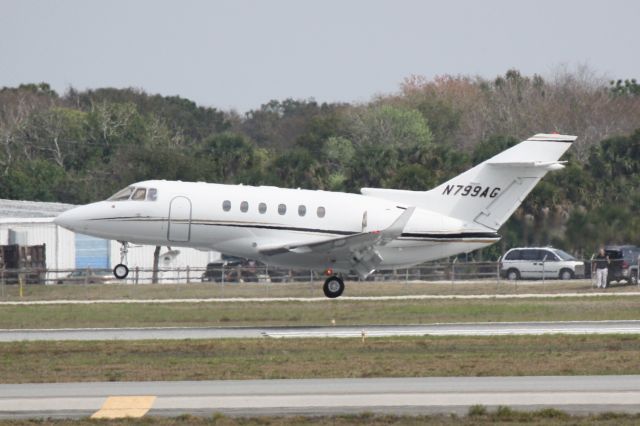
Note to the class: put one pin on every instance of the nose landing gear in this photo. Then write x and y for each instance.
(121, 270)
(333, 287)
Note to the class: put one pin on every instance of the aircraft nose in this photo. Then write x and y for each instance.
(71, 219)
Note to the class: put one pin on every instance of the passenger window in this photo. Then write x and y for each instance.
(302, 210)
(226, 205)
(551, 257)
(152, 194)
(244, 206)
(139, 194)
(121, 195)
(530, 255)
(262, 208)
(513, 255)
(282, 209)
(321, 211)
(541, 254)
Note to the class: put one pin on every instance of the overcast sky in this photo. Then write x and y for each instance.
(240, 54)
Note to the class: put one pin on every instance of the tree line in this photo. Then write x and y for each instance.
(82, 146)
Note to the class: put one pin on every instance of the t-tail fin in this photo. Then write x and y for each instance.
(490, 192)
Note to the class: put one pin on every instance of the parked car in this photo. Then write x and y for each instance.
(539, 262)
(88, 276)
(231, 269)
(623, 259)
(634, 274)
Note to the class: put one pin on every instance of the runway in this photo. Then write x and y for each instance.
(320, 396)
(442, 329)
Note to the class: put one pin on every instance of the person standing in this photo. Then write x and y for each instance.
(601, 265)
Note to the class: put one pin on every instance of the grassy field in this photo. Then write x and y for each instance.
(344, 312)
(198, 290)
(318, 358)
(477, 416)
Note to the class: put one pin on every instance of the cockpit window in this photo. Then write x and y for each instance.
(139, 194)
(122, 195)
(152, 194)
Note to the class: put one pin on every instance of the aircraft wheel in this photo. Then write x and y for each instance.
(333, 287)
(120, 271)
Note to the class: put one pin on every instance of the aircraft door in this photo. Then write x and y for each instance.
(179, 227)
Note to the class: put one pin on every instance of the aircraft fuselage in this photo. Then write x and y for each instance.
(245, 221)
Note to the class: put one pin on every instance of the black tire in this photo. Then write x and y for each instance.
(513, 274)
(566, 274)
(333, 287)
(120, 271)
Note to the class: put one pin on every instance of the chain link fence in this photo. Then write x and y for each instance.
(449, 271)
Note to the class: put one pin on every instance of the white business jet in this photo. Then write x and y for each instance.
(333, 232)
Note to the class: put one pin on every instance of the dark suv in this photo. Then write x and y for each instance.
(623, 260)
(231, 269)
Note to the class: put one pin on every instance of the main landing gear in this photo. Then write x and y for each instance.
(333, 287)
(121, 270)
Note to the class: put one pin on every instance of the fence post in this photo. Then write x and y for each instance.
(188, 273)
(222, 282)
(453, 271)
(268, 284)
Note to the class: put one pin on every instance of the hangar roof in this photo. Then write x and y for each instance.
(17, 209)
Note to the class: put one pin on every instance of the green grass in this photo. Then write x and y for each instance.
(499, 416)
(198, 290)
(344, 312)
(24, 362)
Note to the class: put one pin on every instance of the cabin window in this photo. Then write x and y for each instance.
(321, 211)
(262, 208)
(152, 194)
(302, 210)
(244, 206)
(139, 194)
(226, 205)
(282, 209)
(122, 195)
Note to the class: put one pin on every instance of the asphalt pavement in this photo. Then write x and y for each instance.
(320, 396)
(442, 329)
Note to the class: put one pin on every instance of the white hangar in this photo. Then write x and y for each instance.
(31, 223)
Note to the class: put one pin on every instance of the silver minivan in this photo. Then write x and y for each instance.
(539, 262)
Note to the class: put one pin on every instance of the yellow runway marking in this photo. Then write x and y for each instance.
(116, 407)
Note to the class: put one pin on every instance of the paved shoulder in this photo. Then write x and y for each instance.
(320, 396)
(444, 329)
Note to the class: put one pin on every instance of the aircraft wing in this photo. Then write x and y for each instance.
(359, 248)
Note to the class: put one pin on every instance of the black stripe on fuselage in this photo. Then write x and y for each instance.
(405, 235)
(452, 235)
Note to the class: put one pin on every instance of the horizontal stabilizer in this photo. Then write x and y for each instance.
(546, 165)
